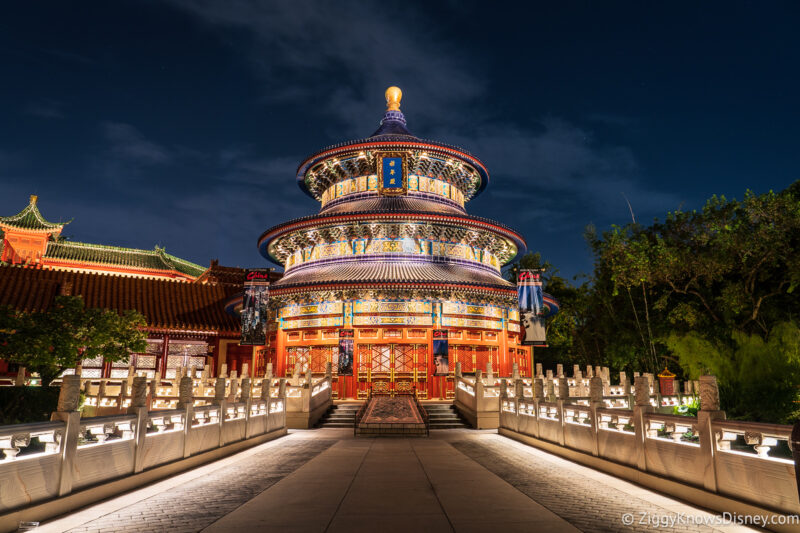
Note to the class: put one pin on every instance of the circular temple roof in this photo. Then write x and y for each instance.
(394, 135)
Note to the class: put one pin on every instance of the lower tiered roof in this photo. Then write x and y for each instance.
(167, 305)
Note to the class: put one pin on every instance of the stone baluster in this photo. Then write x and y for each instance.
(489, 373)
(245, 369)
(248, 402)
(223, 370)
(538, 389)
(138, 407)
(282, 389)
(641, 388)
(186, 402)
(563, 397)
(559, 370)
(709, 411)
(268, 373)
(539, 372)
(578, 376)
(595, 403)
(329, 370)
(67, 412)
(233, 391)
(20, 379)
(459, 375)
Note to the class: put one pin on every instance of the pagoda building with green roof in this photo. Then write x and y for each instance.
(31, 240)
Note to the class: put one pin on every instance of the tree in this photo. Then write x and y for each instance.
(48, 342)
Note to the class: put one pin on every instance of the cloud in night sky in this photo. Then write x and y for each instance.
(543, 169)
(190, 137)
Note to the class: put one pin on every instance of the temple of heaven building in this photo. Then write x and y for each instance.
(391, 257)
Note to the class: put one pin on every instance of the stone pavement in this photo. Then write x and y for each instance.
(326, 480)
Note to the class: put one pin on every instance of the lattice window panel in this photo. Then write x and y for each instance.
(363, 357)
(320, 355)
(294, 336)
(381, 358)
(145, 361)
(91, 372)
(416, 334)
(197, 362)
(298, 354)
(368, 333)
(453, 334)
(125, 363)
(403, 358)
(92, 363)
(421, 357)
(310, 335)
(392, 334)
(153, 347)
(175, 348)
(330, 334)
(489, 336)
(473, 335)
(484, 354)
(460, 353)
(119, 373)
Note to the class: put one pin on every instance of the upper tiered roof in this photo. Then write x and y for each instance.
(30, 219)
(427, 158)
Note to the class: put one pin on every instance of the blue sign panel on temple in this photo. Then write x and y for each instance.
(392, 174)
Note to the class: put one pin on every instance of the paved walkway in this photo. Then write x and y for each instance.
(326, 480)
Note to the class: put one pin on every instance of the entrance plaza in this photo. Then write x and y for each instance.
(328, 480)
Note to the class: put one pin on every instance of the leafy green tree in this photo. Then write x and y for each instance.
(48, 342)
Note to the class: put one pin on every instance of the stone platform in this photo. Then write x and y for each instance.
(392, 416)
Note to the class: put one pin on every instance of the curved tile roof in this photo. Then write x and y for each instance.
(361, 271)
(31, 219)
(157, 259)
(166, 304)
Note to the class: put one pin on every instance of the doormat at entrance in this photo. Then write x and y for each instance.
(392, 410)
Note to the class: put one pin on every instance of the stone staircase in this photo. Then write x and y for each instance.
(339, 416)
(444, 416)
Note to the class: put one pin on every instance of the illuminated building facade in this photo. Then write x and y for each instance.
(393, 255)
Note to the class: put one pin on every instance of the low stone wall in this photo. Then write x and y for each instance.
(717, 463)
(70, 454)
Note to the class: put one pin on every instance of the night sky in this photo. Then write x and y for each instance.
(181, 123)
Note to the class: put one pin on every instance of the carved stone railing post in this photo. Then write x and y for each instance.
(138, 407)
(538, 396)
(246, 398)
(458, 371)
(709, 411)
(282, 389)
(219, 400)
(266, 387)
(329, 370)
(641, 386)
(489, 373)
(186, 402)
(20, 379)
(563, 397)
(67, 412)
(595, 403)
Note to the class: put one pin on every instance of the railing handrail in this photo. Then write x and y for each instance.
(773, 430)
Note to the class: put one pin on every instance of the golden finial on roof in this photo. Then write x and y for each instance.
(34, 198)
(393, 97)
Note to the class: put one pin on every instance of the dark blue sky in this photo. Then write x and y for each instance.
(181, 122)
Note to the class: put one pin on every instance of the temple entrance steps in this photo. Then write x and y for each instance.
(444, 416)
(341, 415)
